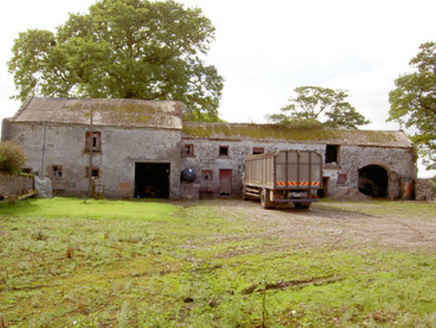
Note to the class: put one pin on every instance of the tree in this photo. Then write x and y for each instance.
(123, 49)
(313, 102)
(413, 102)
(12, 158)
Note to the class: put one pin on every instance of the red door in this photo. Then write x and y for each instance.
(225, 182)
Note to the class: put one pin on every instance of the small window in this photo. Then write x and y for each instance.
(95, 172)
(93, 141)
(331, 154)
(224, 151)
(188, 150)
(57, 171)
(342, 179)
(207, 175)
(258, 150)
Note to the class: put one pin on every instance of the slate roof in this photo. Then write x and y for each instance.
(106, 112)
(133, 113)
(274, 133)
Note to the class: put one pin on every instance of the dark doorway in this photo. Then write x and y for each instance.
(152, 180)
(225, 182)
(373, 181)
(324, 192)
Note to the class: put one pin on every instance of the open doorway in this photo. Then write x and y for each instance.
(152, 180)
(324, 191)
(373, 181)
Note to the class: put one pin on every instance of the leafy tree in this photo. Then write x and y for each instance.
(313, 102)
(123, 49)
(12, 158)
(413, 102)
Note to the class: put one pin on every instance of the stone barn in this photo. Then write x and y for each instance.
(135, 148)
(129, 149)
(377, 163)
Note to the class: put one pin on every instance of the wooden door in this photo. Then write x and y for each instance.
(225, 182)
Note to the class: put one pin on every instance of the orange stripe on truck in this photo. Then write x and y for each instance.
(294, 183)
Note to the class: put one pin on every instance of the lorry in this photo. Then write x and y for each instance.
(286, 176)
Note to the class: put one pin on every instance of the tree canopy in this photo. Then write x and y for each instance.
(311, 103)
(12, 158)
(413, 102)
(123, 49)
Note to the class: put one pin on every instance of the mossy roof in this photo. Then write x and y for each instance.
(275, 133)
(106, 112)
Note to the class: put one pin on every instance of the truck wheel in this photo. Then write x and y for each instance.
(302, 206)
(265, 200)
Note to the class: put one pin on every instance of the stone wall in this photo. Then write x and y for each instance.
(53, 147)
(426, 189)
(206, 161)
(50, 148)
(15, 185)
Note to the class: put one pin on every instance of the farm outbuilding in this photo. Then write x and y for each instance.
(138, 148)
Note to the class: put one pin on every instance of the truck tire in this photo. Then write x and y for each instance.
(265, 199)
(302, 206)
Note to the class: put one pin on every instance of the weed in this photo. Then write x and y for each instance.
(70, 252)
(40, 236)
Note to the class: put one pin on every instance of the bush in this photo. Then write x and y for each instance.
(12, 158)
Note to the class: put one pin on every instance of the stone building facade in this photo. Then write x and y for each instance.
(378, 163)
(133, 148)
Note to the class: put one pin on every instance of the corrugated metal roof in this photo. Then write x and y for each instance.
(106, 112)
(274, 133)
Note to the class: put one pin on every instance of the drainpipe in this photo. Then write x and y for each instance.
(41, 172)
(91, 138)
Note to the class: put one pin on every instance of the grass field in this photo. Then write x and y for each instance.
(69, 263)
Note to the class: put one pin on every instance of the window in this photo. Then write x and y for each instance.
(207, 175)
(57, 171)
(331, 154)
(258, 150)
(93, 141)
(342, 179)
(188, 150)
(95, 172)
(224, 151)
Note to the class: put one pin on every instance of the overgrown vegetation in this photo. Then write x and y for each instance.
(68, 263)
(12, 158)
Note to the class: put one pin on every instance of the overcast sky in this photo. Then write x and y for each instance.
(265, 49)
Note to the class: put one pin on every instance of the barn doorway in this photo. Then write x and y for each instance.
(225, 182)
(324, 191)
(373, 181)
(152, 180)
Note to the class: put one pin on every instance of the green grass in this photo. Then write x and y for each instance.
(67, 263)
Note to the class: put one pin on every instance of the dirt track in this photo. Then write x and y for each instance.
(323, 225)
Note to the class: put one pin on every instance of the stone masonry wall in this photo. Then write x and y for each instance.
(15, 185)
(399, 163)
(120, 150)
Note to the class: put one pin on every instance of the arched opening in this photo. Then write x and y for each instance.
(373, 181)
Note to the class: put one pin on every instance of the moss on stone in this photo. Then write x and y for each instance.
(270, 132)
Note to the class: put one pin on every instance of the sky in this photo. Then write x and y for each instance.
(265, 49)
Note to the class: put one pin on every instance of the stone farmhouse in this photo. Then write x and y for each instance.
(138, 149)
